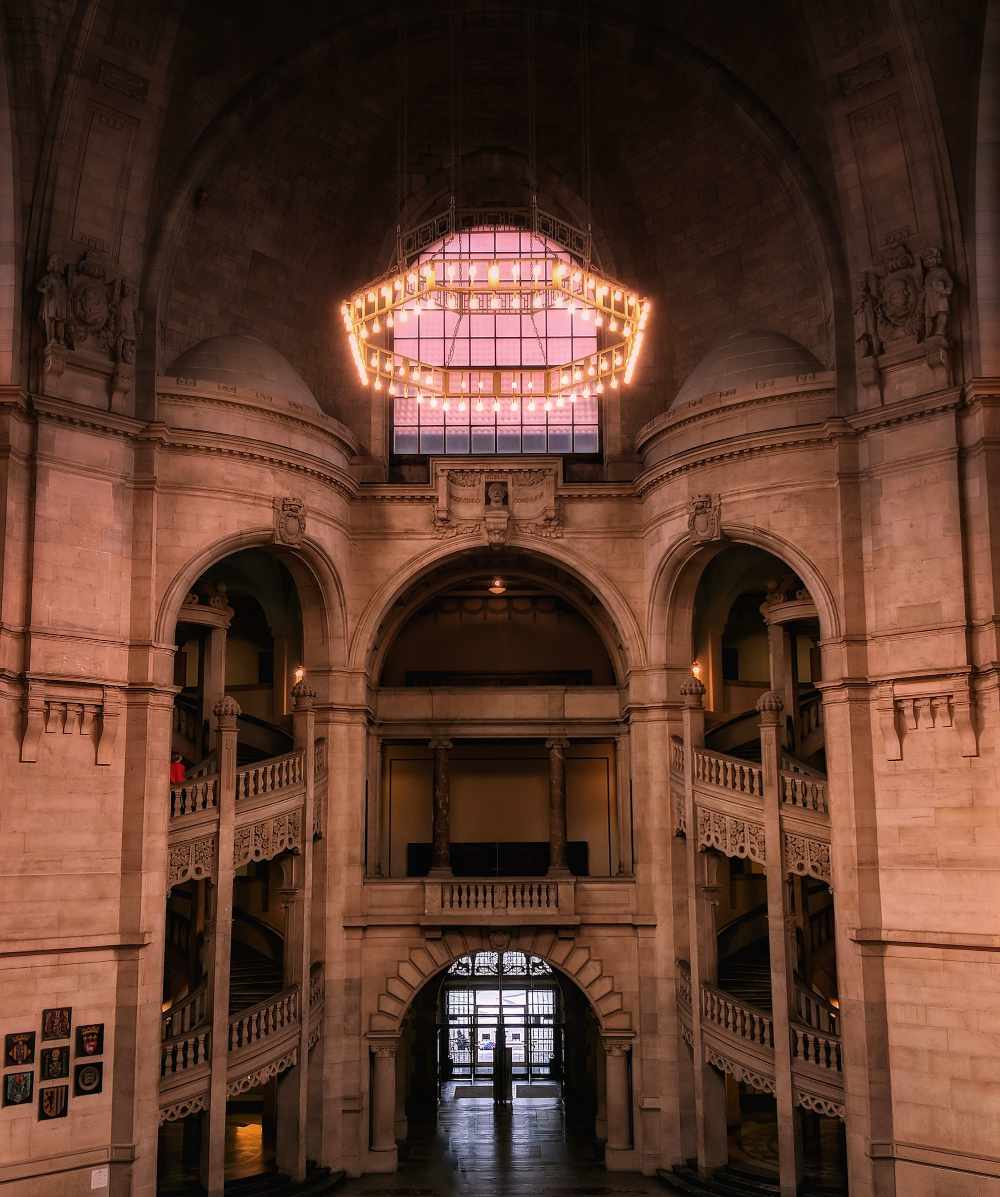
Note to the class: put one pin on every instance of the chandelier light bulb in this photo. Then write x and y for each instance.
(472, 271)
(493, 275)
(461, 405)
(434, 401)
(577, 374)
(614, 383)
(513, 405)
(389, 322)
(496, 404)
(548, 404)
(479, 405)
(560, 401)
(378, 384)
(531, 405)
(497, 586)
(515, 271)
(403, 317)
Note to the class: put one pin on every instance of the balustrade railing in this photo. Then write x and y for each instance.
(815, 1012)
(267, 1018)
(194, 795)
(728, 773)
(267, 777)
(677, 755)
(804, 792)
(463, 896)
(736, 1018)
(185, 1052)
(812, 1047)
(185, 1015)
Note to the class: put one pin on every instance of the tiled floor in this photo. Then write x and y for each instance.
(476, 1151)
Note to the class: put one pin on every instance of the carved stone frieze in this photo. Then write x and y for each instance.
(807, 857)
(289, 520)
(731, 836)
(705, 518)
(901, 714)
(315, 1035)
(680, 813)
(182, 1109)
(192, 860)
(478, 499)
(263, 840)
(738, 1071)
(263, 1074)
(820, 1105)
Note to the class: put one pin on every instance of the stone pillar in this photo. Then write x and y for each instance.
(279, 676)
(213, 682)
(293, 1087)
(441, 834)
(226, 712)
(790, 1155)
(617, 1098)
(383, 1111)
(783, 675)
(711, 1142)
(557, 807)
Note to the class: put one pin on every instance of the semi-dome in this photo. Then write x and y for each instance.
(248, 363)
(743, 359)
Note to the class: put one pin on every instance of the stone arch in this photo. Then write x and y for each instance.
(676, 581)
(568, 957)
(621, 632)
(321, 595)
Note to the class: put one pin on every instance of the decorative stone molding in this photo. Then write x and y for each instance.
(807, 857)
(755, 1080)
(477, 499)
(916, 707)
(183, 1109)
(692, 691)
(265, 839)
(262, 1074)
(680, 812)
(192, 860)
(732, 836)
(769, 706)
(227, 709)
(303, 695)
(315, 1034)
(86, 710)
(820, 1105)
(687, 1034)
(289, 520)
(705, 518)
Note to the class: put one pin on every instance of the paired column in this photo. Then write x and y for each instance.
(441, 834)
(219, 943)
(557, 806)
(790, 1155)
(709, 1086)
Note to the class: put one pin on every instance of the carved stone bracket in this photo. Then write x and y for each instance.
(192, 860)
(87, 710)
(183, 1109)
(266, 838)
(732, 836)
(263, 1074)
(807, 857)
(908, 708)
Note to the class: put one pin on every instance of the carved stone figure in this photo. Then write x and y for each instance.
(866, 334)
(126, 323)
(55, 301)
(496, 494)
(900, 300)
(938, 289)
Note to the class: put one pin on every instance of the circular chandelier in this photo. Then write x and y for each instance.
(434, 283)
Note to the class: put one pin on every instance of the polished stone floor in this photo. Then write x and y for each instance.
(477, 1151)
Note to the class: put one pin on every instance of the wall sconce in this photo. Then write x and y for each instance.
(696, 669)
(300, 673)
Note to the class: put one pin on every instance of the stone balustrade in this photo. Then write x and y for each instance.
(677, 757)
(502, 896)
(194, 796)
(728, 773)
(268, 777)
(804, 792)
(819, 1050)
(273, 1016)
(811, 1010)
(738, 1019)
(185, 1015)
(184, 1053)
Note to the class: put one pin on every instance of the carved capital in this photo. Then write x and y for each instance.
(303, 695)
(769, 707)
(227, 711)
(693, 692)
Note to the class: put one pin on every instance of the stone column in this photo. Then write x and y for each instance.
(441, 834)
(279, 676)
(557, 807)
(783, 674)
(789, 1145)
(219, 943)
(213, 681)
(709, 1086)
(294, 1087)
(617, 1097)
(383, 1111)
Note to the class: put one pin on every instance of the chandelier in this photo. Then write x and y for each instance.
(554, 275)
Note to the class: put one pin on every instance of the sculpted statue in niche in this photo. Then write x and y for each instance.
(938, 289)
(904, 298)
(55, 301)
(496, 495)
(82, 308)
(866, 335)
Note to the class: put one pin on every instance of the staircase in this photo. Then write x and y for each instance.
(746, 975)
(253, 978)
(733, 1181)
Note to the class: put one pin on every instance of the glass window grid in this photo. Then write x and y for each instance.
(553, 337)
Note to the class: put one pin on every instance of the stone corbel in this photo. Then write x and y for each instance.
(965, 725)
(885, 705)
(34, 721)
(111, 717)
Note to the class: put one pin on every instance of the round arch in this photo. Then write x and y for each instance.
(246, 107)
(321, 596)
(676, 581)
(389, 607)
(430, 959)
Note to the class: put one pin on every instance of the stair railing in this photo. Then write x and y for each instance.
(186, 1014)
(185, 1052)
(267, 1018)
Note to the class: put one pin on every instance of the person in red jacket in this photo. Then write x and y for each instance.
(178, 770)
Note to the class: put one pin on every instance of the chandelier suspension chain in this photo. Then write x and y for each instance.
(402, 130)
(585, 118)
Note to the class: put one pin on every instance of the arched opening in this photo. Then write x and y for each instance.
(754, 807)
(499, 712)
(501, 1055)
(239, 875)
